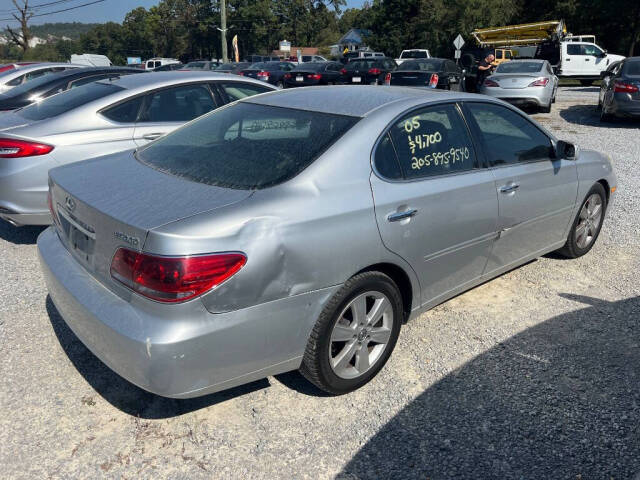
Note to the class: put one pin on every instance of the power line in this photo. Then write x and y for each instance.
(56, 11)
(36, 7)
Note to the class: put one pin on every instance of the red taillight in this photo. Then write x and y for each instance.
(621, 87)
(314, 76)
(387, 79)
(375, 71)
(433, 80)
(10, 148)
(262, 74)
(539, 82)
(343, 71)
(287, 75)
(173, 279)
(490, 83)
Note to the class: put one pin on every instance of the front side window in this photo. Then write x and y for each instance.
(178, 104)
(508, 137)
(246, 146)
(591, 50)
(432, 141)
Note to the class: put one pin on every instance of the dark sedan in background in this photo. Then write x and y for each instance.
(42, 87)
(428, 73)
(169, 67)
(270, 72)
(313, 73)
(620, 90)
(233, 67)
(368, 71)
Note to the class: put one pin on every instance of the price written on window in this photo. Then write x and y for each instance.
(438, 159)
(423, 141)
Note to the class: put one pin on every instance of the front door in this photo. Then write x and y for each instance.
(536, 191)
(434, 206)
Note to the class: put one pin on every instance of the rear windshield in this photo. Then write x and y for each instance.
(33, 85)
(422, 65)
(246, 146)
(361, 64)
(414, 54)
(632, 69)
(519, 67)
(68, 100)
(309, 66)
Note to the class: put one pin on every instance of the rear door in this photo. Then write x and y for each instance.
(572, 59)
(435, 206)
(536, 191)
(166, 109)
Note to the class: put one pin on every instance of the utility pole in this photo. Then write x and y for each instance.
(223, 30)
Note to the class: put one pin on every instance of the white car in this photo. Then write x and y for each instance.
(412, 55)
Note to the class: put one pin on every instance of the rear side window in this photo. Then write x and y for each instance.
(631, 68)
(125, 112)
(246, 146)
(237, 90)
(67, 101)
(432, 141)
(508, 137)
(178, 104)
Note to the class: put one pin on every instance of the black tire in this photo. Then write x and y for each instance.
(571, 249)
(315, 364)
(545, 109)
(586, 83)
(279, 84)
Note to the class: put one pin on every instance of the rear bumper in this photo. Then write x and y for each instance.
(169, 352)
(23, 190)
(623, 105)
(535, 96)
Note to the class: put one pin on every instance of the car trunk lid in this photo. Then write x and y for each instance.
(114, 201)
(12, 120)
(514, 81)
(411, 78)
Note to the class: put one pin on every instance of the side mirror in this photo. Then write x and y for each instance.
(565, 150)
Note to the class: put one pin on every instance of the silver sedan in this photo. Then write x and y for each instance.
(19, 76)
(299, 229)
(97, 119)
(523, 83)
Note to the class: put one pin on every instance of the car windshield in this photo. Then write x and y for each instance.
(32, 85)
(258, 66)
(632, 69)
(67, 101)
(361, 64)
(519, 67)
(422, 65)
(246, 146)
(414, 54)
(309, 66)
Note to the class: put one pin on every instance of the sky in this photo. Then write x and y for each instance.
(104, 11)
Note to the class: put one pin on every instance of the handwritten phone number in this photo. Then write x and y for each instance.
(453, 156)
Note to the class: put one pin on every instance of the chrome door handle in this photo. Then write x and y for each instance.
(396, 217)
(509, 188)
(152, 136)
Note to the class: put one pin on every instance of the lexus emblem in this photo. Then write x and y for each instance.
(70, 204)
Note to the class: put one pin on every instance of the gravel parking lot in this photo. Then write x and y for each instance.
(535, 374)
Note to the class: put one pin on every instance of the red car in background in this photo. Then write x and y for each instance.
(11, 66)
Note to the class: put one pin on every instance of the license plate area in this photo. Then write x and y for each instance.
(356, 79)
(80, 238)
(299, 78)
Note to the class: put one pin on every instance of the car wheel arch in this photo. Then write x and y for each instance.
(402, 280)
(607, 189)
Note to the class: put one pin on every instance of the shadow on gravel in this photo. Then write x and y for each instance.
(124, 395)
(19, 235)
(295, 381)
(590, 116)
(559, 400)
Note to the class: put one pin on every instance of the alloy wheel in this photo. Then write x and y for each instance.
(590, 219)
(361, 334)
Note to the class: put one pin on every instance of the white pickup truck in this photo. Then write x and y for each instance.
(583, 61)
(412, 54)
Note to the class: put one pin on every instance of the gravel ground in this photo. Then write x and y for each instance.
(532, 375)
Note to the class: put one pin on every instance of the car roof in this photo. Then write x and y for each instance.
(79, 71)
(160, 79)
(352, 100)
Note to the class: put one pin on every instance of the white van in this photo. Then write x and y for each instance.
(91, 60)
(159, 62)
